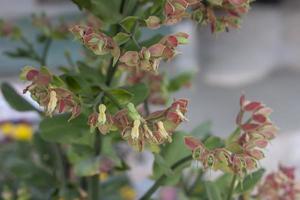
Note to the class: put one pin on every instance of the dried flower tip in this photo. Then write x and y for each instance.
(180, 114)
(102, 115)
(163, 132)
(135, 129)
(52, 102)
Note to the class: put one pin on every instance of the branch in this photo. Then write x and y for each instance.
(161, 179)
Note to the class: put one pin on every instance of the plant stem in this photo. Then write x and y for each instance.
(161, 179)
(45, 52)
(146, 107)
(30, 48)
(60, 166)
(93, 181)
(232, 186)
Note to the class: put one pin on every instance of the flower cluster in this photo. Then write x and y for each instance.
(220, 14)
(9, 30)
(279, 185)
(47, 95)
(244, 148)
(148, 59)
(157, 128)
(98, 42)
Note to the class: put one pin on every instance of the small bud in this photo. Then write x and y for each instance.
(153, 22)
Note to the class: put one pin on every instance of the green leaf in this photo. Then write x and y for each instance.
(171, 153)
(83, 4)
(15, 100)
(57, 81)
(161, 162)
(128, 23)
(108, 149)
(214, 142)
(19, 53)
(87, 167)
(212, 191)
(122, 95)
(153, 40)
(121, 38)
(72, 83)
(223, 182)
(58, 129)
(250, 181)
(180, 81)
(140, 93)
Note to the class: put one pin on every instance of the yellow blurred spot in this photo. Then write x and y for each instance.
(22, 132)
(7, 128)
(127, 193)
(103, 176)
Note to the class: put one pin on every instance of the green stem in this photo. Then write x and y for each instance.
(232, 186)
(30, 48)
(161, 179)
(113, 99)
(45, 52)
(60, 166)
(93, 181)
(146, 107)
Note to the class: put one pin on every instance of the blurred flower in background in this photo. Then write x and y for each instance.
(16, 131)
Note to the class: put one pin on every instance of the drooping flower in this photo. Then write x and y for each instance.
(148, 59)
(48, 95)
(101, 120)
(228, 15)
(98, 42)
(157, 128)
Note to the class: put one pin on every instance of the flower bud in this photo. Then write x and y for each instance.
(153, 22)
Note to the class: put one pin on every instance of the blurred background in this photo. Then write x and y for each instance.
(262, 60)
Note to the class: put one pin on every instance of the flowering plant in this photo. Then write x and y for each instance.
(105, 100)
